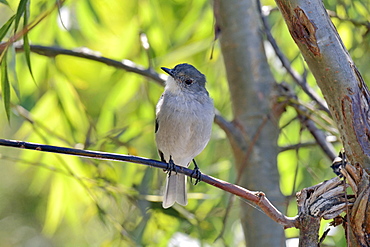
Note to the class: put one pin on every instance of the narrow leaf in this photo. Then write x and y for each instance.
(26, 43)
(91, 9)
(12, 70)
(4, 2)
(5, 87)
(20, 10)
(4, 29)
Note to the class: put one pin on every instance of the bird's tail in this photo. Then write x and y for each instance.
(175, 190)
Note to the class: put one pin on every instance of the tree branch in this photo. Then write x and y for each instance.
(317, 133)
(95, 56)
(302, 145)
(125, 65)
(255, 197)
(345, 91)
(236, 137)
(297, 78)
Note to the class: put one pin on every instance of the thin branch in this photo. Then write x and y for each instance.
(319, 136)
(95, 56)
(301, 81)
(124, 64)
(257, 198)
(235, 136)
(317, 133)
(301, 145)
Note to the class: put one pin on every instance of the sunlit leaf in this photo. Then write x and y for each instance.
(5, 87)
(93, 12)
(4, 29)
(361, 8)
(26, 43)
(20, 10)
(4, 2)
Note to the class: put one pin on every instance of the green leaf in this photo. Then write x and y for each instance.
(93, 12)
(4, 29)
(20, 10)
(5, 87)
(4, 2)
(26, 43)
(12, 69)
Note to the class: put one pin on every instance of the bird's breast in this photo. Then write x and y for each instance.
(184, 126)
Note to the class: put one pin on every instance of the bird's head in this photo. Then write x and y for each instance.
(185, 77)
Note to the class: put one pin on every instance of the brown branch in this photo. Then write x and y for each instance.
(255, 197)
(319, 136)
(325, 200)
(95, 56)
(317, 133)
(234, 134)
(302, 145)
(125, 65)
(29, 26)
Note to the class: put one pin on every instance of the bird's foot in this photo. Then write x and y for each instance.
(198, 174)
(171, 167)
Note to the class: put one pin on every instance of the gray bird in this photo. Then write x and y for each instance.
(184, 117)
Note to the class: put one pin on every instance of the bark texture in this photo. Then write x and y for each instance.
(347, 96)
(338, 78)
(251, 85)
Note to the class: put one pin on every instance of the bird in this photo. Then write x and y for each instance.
(184, 118)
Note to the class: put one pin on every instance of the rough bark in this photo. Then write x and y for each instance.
(346, 94)
(337, 76)
(251, 86)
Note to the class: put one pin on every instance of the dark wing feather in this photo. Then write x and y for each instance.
(162, 156)
(156, 125)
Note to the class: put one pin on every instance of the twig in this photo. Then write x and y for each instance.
(95, 56)
(255, 197)
(125, 64)
(317, 133)
(234, 134)
(286, 64)
(319, 136)
(16, 36)
(323, 236)
(301, 145)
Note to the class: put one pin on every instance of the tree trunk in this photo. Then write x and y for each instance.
(347, 96)
(251, 87)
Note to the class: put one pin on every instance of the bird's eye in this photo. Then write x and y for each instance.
(188, 81)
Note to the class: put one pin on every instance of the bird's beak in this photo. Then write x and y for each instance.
(168, 71)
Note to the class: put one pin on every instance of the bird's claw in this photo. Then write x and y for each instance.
(171, 167)
(198, 174)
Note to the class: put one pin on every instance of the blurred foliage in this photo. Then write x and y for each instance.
(56, 200)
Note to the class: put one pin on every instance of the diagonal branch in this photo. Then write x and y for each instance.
(345, 91)
(255, 197)
(298, 79)
(129, 66)
(95, 56)
(317, 133)
(341, 83)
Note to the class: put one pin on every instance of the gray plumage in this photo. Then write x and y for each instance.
(184, 120)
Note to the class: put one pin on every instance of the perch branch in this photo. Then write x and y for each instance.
(255, 197)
